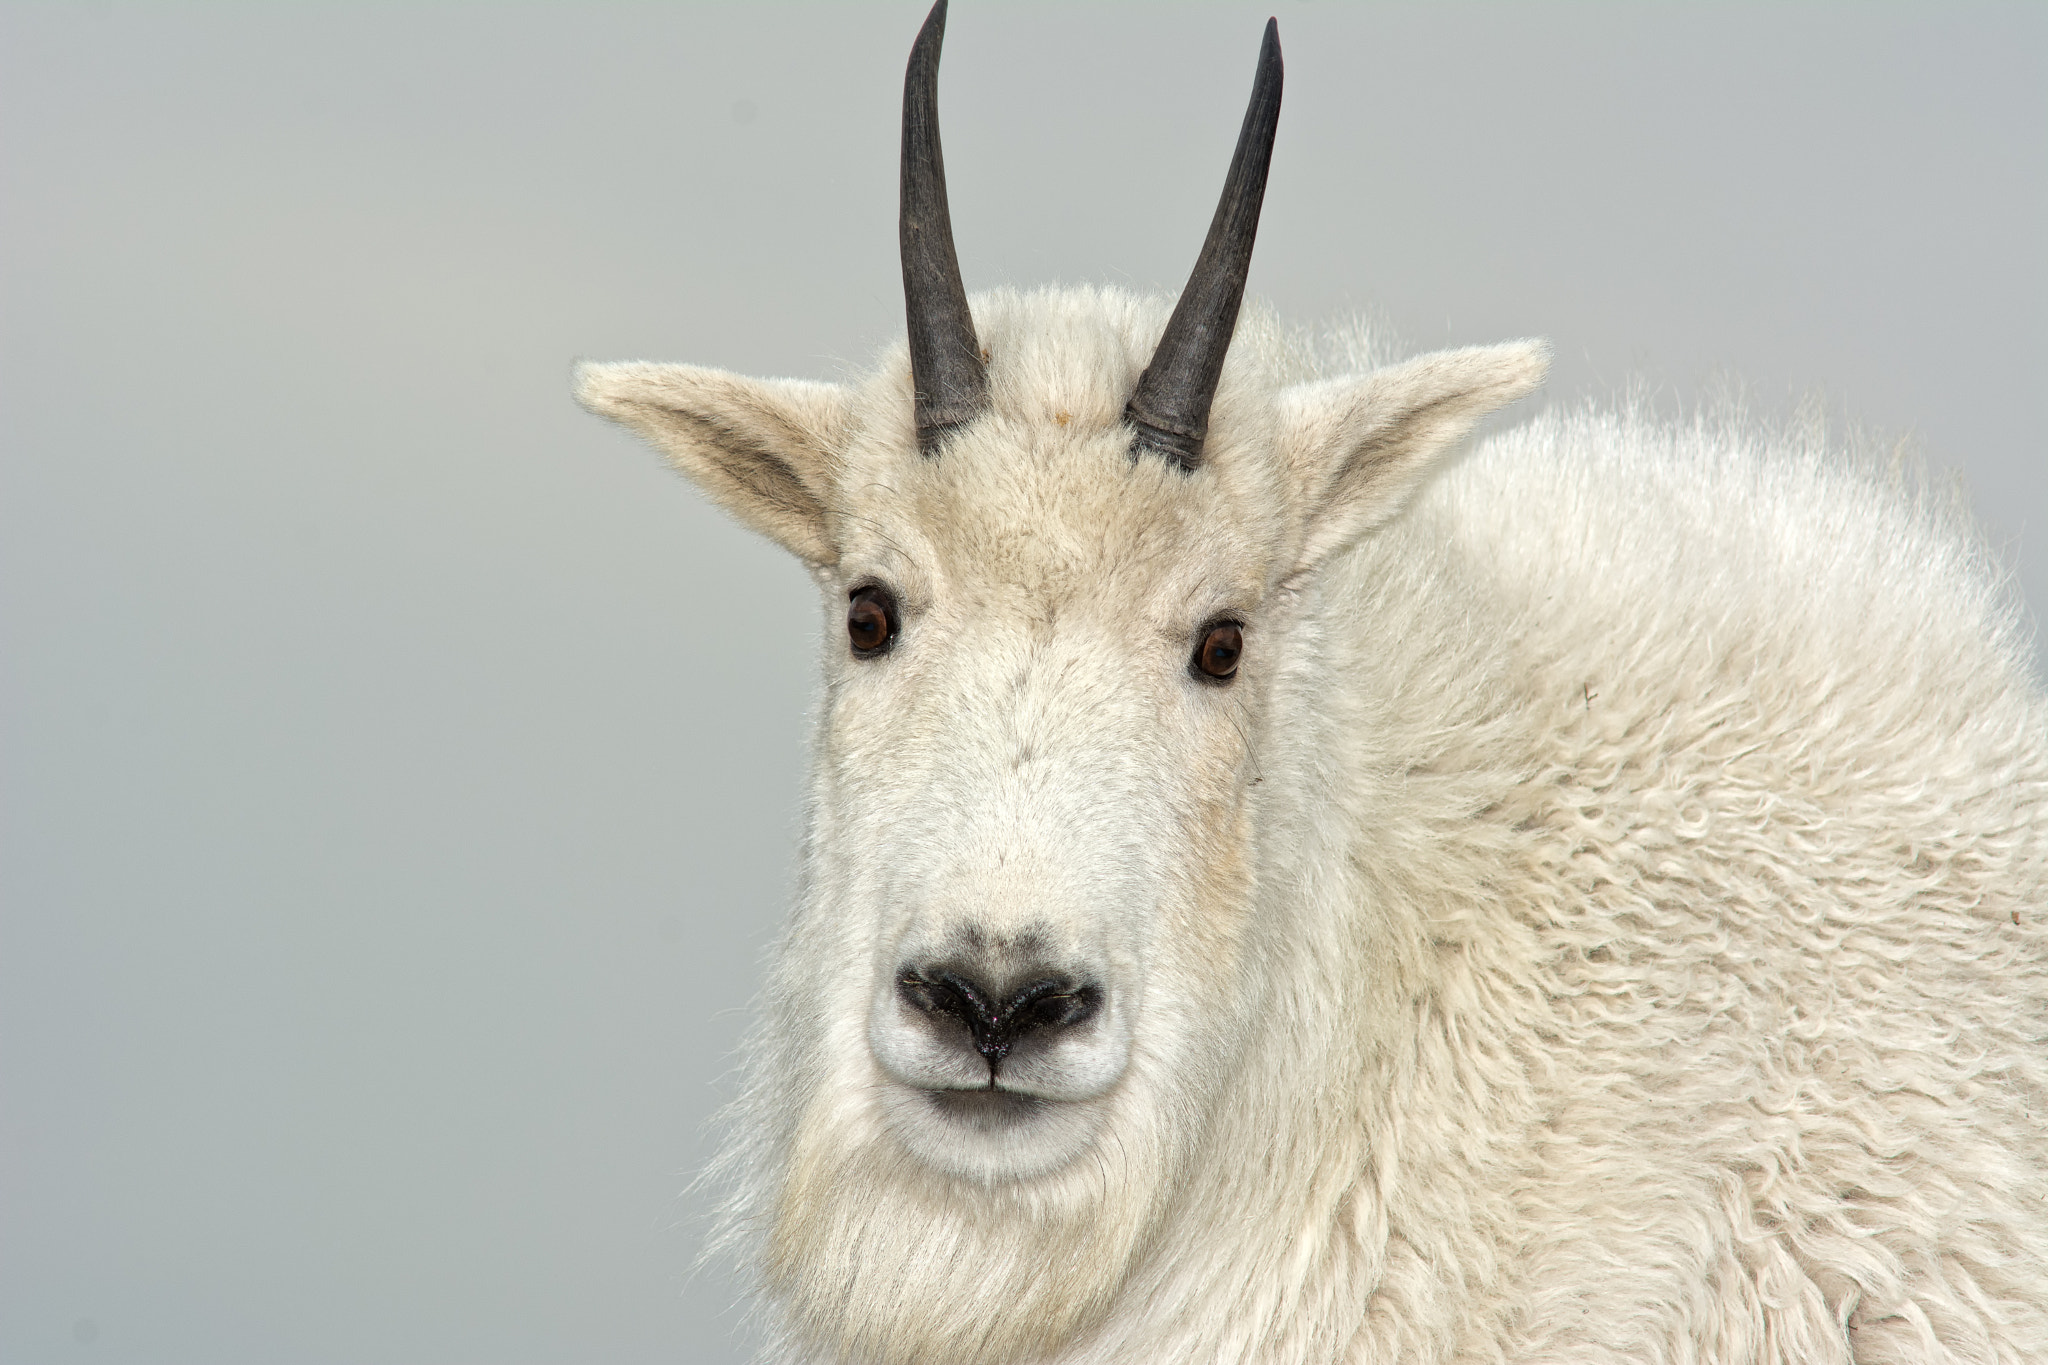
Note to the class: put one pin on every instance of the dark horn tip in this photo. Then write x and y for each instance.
(931, 35)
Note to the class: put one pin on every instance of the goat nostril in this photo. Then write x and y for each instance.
(996, 1022)
(1053, 1003)
(944, 993)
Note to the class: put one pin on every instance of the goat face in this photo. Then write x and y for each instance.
(1032, 801)
(1024, 957)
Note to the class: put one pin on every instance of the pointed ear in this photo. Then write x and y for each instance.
(766, 450)
(1359, 447)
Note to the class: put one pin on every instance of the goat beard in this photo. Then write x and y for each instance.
(881, 1260)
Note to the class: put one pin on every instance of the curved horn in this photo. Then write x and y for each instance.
(945, 357)
(1170, 409)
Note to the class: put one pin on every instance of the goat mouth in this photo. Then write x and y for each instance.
(987, 1108)
(990, 1133)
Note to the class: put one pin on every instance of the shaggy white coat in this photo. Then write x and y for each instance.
(1606, 921)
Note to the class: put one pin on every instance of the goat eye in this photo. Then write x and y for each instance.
(871, 621)
(1216, 657)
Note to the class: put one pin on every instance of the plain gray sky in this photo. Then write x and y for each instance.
(401, 769)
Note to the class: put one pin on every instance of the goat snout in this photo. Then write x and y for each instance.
(1006, 1015)
(995, 1021)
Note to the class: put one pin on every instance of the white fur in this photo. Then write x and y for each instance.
(1603, 921)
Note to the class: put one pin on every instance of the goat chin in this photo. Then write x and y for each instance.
(960, 1239)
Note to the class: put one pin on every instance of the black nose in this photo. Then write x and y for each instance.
(997, 1022)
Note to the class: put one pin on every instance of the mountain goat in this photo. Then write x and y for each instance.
(1274, 894)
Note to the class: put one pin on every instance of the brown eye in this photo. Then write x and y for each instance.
(871, 620)
(1216, 657)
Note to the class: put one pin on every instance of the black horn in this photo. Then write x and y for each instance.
(1170, 409)
(945, 356)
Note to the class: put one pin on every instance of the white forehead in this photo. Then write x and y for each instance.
(1041, 495)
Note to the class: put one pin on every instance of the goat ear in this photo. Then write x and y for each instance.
(1361, 446)
(763, 449)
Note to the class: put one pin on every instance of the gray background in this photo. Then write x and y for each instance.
(400, 768)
